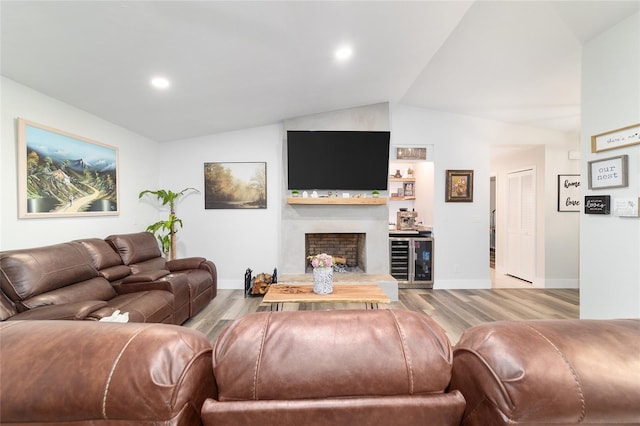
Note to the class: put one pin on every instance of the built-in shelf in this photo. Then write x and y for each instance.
(394, 179)
(337, 201)
(402, 198)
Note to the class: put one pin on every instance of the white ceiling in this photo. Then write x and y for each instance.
(239, 64)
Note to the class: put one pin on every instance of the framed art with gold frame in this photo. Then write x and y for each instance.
(459, 186)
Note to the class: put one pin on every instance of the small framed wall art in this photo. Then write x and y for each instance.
(459, 186)
(569, 193)
(618, 138)
(597, 204)
(608, 172)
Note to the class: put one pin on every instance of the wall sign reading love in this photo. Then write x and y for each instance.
(569, 193)
(608, 172)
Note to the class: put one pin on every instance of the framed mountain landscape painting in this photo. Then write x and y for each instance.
(61, 174)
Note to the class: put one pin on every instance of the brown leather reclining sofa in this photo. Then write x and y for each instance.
(392, 367)
(92, 278)
(374, 367)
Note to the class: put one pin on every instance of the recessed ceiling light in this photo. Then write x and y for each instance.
(343, 53)
(160, 82)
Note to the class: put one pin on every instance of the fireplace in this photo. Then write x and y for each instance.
(350, 246)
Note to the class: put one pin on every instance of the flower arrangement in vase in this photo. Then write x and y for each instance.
(322, 273)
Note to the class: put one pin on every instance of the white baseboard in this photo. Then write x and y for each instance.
(231, 284)
(461, 284)
(562, 283)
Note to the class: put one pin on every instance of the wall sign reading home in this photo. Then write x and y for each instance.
(235, 185)
(569, 193)
(608, 172)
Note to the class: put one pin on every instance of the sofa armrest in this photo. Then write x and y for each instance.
(185, 263)
(66, 311)
(147, 276)
(549, 372)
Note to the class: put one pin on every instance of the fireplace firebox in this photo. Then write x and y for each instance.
(349, 246)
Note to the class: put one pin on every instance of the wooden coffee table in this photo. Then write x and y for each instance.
(369, 294)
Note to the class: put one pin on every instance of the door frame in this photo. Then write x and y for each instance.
(534, 257)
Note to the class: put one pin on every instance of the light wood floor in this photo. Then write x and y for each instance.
(454, 310)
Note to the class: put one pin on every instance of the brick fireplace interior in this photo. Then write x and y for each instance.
(351, 246)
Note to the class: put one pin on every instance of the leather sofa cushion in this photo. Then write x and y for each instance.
(85, 372)
(136, 247)
(30, 272)
(96, 288)
(143, 306)
(291, 355)
(102, 254)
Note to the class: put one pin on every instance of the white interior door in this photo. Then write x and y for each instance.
(521, 219)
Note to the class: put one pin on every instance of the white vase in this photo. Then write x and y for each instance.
(323, 280)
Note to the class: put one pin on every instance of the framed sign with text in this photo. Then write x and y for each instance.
(608, 172)
(597, 204)
(618, 138)
(569, 193)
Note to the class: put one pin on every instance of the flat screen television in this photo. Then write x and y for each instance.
(337, 160)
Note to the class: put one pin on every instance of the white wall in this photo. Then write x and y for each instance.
(461, 230)
(609, 245)
(238, 239)
(562, 229)
(234, 239)
(138, 169)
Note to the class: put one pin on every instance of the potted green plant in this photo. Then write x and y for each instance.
(295, 193)
(375, 193)
(165, 230)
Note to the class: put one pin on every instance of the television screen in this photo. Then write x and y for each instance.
(337, 160)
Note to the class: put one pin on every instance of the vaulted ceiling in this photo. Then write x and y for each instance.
(240, 64)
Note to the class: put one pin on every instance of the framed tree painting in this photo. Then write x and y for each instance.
(62, 174)
(459, 187)
(235, 185)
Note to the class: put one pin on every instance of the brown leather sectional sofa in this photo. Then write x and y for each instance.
(381, 367)
(392, 367)
(90, 279)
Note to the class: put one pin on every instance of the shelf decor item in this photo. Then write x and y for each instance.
(322, 273)
(459, 187)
